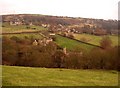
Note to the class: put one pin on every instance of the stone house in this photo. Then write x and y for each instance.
(42, 42)
(35, 43)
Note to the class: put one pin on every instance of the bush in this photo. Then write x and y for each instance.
(83, 39)
(9, 51)
(106, 42)
(14, 38)
(73, 61)
(58, 59)
(54, 38)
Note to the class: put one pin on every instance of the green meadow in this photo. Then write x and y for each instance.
(72, 44)
(18, 28)
(96, 39)
(29, 76)
(23, 36)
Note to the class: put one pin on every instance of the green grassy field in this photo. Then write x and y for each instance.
(19, 28)
(22, 36)
(95, 39)
(72, 44)
(28, 76)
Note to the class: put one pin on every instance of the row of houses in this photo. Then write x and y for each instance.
(45, 25)
(42, 42)
(45, 42)
(16, 23)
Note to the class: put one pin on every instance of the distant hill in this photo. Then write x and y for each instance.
(65, 21)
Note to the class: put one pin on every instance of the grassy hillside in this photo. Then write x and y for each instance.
(95, 39)
(28, 76)
(18, 28)
(72, 44)
(22, 36)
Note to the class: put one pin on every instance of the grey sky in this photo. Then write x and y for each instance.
(101, 9)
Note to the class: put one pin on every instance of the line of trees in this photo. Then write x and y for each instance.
(23, 53)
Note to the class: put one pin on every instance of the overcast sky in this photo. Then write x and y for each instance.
(100, 9)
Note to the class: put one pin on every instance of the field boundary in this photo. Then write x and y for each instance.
(23, 32)
(27, 32)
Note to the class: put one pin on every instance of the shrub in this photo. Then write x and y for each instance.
(14, 38)
(73, 61)
(58, 59)
(83, 39)
(106, 42)
(54, 38)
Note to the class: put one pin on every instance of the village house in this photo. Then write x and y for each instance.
(49, 40)
(45, 25)
(35, 43)
(15, 23)
(78, 31)
(52, 34)
(31, 24)
(43, 42)
(60, 26)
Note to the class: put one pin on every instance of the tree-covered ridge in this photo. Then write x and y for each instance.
(55, 20)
